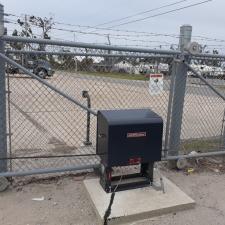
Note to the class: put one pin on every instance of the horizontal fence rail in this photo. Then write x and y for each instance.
(97, 166)
(86, 45)
(88, 54)
(49, 171)
(162, 53)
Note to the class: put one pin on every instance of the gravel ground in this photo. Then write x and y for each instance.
(66, 202)
(43, 123)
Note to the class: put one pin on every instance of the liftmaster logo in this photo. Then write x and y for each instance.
(136, 135)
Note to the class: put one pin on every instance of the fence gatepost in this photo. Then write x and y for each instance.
(3, 128)
(178, 94)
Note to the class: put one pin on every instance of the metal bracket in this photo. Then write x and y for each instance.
(177, 60)
(160, 187)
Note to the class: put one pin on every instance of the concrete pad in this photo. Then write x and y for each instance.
(138, 204)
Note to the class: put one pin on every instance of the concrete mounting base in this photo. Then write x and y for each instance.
(137, 204)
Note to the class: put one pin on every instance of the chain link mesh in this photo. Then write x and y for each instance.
(48, 130)
(43, 123)
(203, 117)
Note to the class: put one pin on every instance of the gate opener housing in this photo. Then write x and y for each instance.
(124, 138)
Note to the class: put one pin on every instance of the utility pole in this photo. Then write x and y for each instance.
(109, 42)
(26, 25)
(108, 59)
(27, 46)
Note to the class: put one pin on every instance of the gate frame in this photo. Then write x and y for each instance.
(175, 105)
(3, 120)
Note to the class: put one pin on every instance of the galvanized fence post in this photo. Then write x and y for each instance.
(223, 132)
(178, 94)
(3, 129)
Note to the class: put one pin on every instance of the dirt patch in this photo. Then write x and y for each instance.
(66, 202)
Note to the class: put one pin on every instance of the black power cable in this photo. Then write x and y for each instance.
(108, 210)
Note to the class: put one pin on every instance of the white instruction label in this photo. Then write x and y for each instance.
(155, 84)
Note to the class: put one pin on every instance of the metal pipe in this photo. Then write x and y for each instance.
(204, 80)
(46, 171)
(95, 166)
(86, 95)
(196, 56)
(185, 36)
(86, 54)
(169, 107)
(3, 119)
(197, 155)
(213, 56)
(86, 45)
(9, 121)
(223, 131)
(178, 95)
(10, 61)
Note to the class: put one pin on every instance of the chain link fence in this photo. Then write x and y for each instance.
(46, 129)
(45, 124)
(203, 117)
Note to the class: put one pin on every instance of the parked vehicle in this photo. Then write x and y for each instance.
(11, 69)
(41, 68)
(212, 72)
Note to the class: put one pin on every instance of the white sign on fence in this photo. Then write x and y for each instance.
(155, 84)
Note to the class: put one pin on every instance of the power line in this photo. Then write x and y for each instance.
(140, 40)
(11, 21)
(160, 43)
(140, 33)
(119, 36)
(210, 39)
(10, 14)
(129, 33)
(114, 36)
(141, 13)
(163, 13)
(134, 33)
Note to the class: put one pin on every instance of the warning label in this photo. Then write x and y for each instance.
(155, 84)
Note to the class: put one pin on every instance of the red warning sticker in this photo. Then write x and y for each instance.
(136, 135)
(156, 75)
(134, 161)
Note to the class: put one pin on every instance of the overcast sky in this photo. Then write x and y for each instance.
(207, 19)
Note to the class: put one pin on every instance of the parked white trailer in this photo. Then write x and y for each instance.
(208, 71)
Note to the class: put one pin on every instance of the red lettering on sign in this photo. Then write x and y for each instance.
(155, 75)
(134, 161)
(136, 135)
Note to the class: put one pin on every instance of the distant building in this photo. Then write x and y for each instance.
(125, 67)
